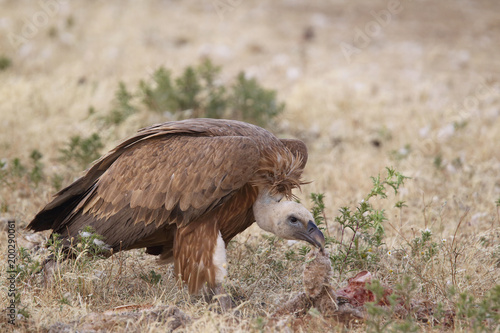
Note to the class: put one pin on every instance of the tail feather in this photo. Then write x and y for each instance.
(56, 212)
(53, 215)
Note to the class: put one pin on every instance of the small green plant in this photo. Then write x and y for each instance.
(304, 250)
(21, 309)
(26, 267)
(82, 151)
(151, 278)
(90, 243)
(379, 317)
(4, 63)
(36, 173)
(57, 181)
(122, 108)
(259, 324)
(12, 172)
(438, 162)
(366, 225)
(84, 249)
(272, 263)
(318, 212)
(290, 255)
(424, 246)
(481, 315)
(3, 170)
(17, 169)
(55, 247)
(188, 90)
(318, 209)
(213, 94)
(64, 301)
(194, 90)
(400, 204)
(381, 311)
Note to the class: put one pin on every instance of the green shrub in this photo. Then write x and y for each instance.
(365, 224)
(481, 315)
(250, 102)
(361, 248)
(82, 151)
(197, 90)
(12, 172)
(188, 90)
(213, 95)
(382, 318)
(159, 96)
(57, 182)
(17, 169)
(123, 107)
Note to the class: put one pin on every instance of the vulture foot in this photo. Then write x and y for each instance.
(218, 294)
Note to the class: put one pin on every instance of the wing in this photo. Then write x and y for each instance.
(180, 177)
(160, 181)
(56, 212)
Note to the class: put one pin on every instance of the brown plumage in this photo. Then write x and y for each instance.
(177, 187)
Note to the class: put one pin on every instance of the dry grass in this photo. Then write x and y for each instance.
(428, 81)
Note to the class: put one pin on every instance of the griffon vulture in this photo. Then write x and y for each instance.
(183, 190)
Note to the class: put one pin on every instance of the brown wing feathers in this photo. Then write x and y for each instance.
(182, 177)
(173, 179)
(65, 201)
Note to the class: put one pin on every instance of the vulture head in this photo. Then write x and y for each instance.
(286, 219)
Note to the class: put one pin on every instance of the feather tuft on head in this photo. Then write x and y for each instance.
(281, 173)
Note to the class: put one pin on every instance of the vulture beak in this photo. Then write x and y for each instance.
(312, 236)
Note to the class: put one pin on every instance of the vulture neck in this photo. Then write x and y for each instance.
(265, 209)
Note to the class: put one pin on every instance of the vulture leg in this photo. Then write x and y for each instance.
(200, 259)
(218, 292)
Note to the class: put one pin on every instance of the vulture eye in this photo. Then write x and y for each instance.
(293, 220)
